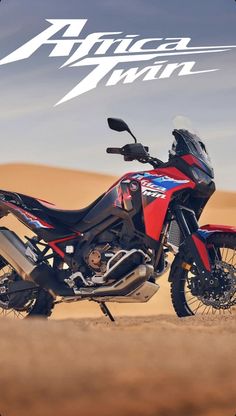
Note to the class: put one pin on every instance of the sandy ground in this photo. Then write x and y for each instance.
(147, 363)
(148, 366)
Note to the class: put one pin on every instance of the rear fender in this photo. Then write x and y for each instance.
(3, 211)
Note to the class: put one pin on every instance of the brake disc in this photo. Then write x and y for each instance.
(222, 297)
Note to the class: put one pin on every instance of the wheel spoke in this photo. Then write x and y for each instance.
(232, 258)
(194, 301)
(8, 274)
(208, 310)
(200, 305)
(220, 298)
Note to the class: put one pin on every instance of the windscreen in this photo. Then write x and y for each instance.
(188, 143)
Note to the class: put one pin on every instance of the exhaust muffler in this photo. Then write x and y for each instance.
(24, 261)
(13, 250)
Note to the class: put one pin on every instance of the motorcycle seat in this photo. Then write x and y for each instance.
(66, 217)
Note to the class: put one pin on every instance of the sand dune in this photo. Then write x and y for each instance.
(67, 188)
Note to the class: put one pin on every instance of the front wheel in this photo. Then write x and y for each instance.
(187, 294)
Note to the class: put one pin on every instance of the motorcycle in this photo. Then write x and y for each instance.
(117, 248)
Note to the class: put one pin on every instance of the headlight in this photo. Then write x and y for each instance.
(201, 177)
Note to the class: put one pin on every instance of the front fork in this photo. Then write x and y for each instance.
(194, 245)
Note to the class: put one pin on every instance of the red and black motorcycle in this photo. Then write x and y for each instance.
(117, 248)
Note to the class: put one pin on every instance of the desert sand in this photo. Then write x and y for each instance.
(148, 362)
(152, 366)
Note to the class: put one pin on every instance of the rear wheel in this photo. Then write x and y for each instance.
(189, 298)
(24, 304)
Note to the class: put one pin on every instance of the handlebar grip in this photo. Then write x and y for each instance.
(114, 150)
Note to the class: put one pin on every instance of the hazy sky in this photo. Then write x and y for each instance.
(75, 134)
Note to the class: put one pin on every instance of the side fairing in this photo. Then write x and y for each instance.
(154, 189)
(158, 187)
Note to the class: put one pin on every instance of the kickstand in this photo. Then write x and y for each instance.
(106, 311)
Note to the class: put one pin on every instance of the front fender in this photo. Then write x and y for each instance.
(206, 230)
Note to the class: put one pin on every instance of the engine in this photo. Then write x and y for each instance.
(106, 260)
(101, 256)
(107, 263)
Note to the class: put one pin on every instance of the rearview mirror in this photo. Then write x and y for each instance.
(118, 124)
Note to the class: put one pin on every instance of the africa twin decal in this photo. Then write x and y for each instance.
(158, 183)
(104, 51)
(157, 190)
(153, 194)
(147, 185)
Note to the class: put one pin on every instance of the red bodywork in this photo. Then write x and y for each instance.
(219, 228)
(155, 211)
(202, 250)
(155, 200)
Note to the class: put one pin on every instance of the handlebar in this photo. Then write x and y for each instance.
(137, 152)
(114, 150)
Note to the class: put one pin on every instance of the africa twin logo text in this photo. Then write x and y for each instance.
(104, 51)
